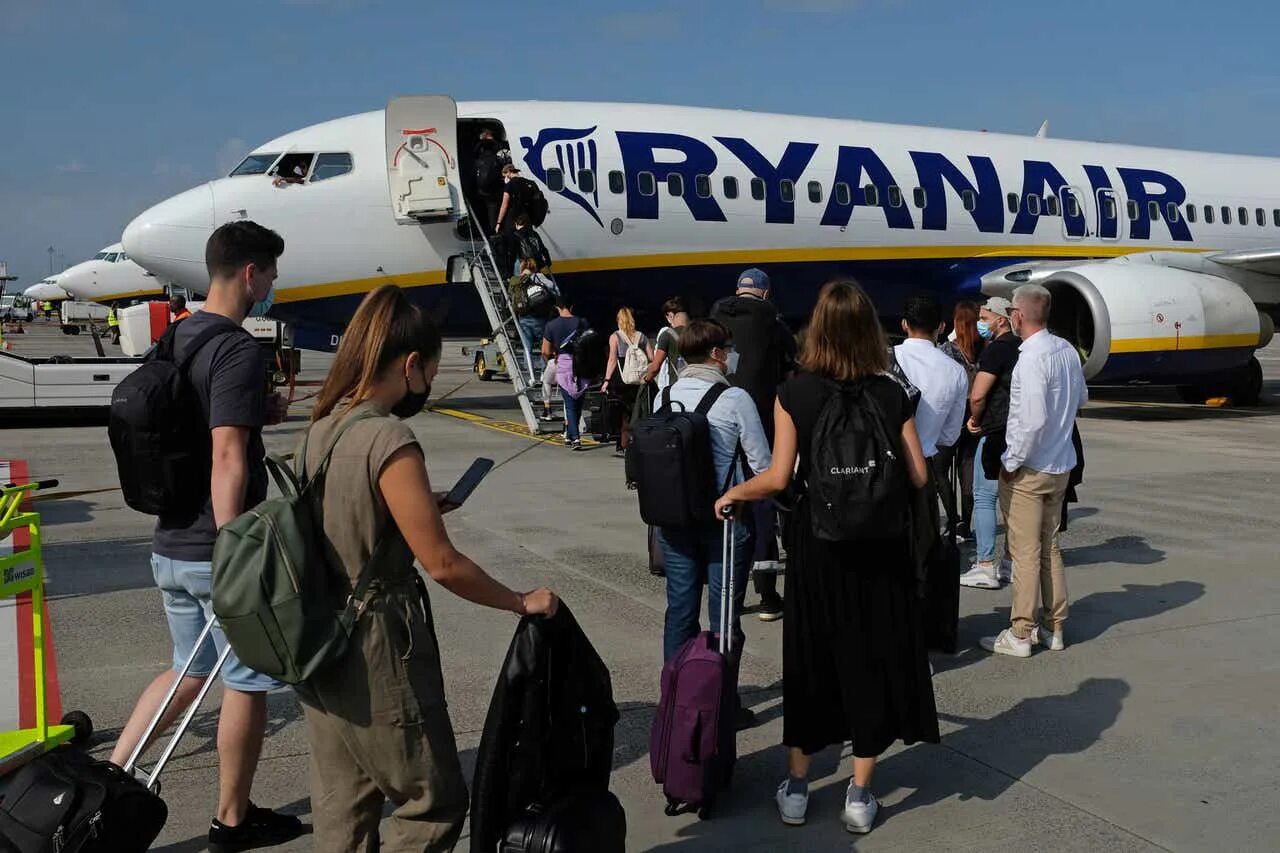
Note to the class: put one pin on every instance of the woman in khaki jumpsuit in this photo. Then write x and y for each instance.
(377, 720)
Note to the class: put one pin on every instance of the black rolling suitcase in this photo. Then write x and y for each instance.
(67, 802)
(590, 822)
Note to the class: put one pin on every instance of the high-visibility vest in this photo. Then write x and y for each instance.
(111, 317)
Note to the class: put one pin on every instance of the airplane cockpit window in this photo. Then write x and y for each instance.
(254, 164)
(555, 179)
(101, 256)
(292, 169)
(330, 166)
(112, 257)
(123, 256)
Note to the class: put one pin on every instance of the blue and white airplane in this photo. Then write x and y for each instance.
(1165, 265)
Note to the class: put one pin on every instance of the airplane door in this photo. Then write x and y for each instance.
(1074, 224)
(1108, 214)
(422, 159)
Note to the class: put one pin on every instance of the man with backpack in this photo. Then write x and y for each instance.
(489, 157)
(768, 354)
(223, 377)
(738, 449)
(558, 341)
(529, 244)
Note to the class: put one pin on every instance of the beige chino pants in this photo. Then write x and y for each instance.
(1032, 502)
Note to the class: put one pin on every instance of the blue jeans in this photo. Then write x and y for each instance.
(531, 328)
(693, 558)
(188, 606)
(985, 497)
(572, 413)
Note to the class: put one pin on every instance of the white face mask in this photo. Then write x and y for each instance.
(731, 362)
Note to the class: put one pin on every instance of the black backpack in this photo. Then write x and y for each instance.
(489, 174)
(857, 482)
(589, 351)
(669, 463)
(158, 432)
(536, 206)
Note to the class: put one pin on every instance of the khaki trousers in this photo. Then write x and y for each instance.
(1032, 502)
(379, 730)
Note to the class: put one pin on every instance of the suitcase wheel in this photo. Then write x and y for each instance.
(83, 726)
(673, 807)
(704, 812)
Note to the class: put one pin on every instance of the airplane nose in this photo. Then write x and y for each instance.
(169, 238)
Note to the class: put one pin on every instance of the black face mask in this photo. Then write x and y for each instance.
(412, 402)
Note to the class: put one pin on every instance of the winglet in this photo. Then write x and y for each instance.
(1043, 132)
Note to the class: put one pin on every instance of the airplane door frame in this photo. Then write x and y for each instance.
(1073, 192)
(1101, 232)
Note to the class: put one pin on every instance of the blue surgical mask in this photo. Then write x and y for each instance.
(984, 329)
(731, 362)
(260, 309)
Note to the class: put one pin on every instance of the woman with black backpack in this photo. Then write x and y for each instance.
(854, 662)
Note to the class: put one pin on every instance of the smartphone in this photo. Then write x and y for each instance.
(467, 483)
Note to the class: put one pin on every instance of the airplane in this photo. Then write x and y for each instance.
(1164, 264)
(109, 276)
(46, 290)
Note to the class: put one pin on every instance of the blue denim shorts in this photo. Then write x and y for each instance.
(188, 606)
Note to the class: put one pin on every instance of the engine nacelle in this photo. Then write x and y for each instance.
(1136, 321)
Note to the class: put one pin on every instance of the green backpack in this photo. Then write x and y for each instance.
(273, 590)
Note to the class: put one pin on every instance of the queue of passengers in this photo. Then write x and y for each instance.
(855, 663)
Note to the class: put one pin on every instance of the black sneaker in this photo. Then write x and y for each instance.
(577, 444)
(260, 828)
(770, 609)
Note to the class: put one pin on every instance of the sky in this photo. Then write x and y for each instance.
(107, 106)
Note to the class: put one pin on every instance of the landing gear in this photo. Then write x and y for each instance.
(1244, 388)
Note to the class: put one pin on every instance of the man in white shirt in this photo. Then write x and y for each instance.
(1046, 392)
(943, 384)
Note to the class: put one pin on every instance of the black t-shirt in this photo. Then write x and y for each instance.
(766, 349)
(803, 396)
(559, 329)
(229, 378)
(998, 358)
(521, 190)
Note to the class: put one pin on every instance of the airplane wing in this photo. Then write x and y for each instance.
(1266, 261)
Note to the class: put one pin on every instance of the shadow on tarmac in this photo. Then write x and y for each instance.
(1129, 550)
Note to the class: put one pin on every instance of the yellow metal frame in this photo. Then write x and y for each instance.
(23, 571)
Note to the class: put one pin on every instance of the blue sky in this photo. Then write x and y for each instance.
(107, 106)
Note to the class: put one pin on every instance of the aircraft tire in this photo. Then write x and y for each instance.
(1247, 389)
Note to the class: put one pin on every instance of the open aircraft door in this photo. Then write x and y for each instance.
(422, 159)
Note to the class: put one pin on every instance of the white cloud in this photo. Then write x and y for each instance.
(229, 154)
(72, 167)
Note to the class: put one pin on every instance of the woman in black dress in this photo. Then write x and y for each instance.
(854, 662)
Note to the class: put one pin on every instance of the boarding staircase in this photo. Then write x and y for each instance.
(519, 361)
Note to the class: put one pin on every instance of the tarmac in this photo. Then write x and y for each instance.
(1156, 729)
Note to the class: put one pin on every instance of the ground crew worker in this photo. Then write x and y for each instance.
(48, 309)
(113, 323)
(178, 308)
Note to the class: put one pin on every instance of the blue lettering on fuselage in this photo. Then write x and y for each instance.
(687, 166)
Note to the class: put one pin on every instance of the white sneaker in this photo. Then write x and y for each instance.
(791, 807)
(1007, 644)
(858, 817)
(1005, 574)
(980, 578)
(1055, 642)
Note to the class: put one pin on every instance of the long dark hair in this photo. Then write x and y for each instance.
(844, 340)
(385, 326)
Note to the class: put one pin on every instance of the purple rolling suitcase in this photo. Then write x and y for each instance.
(693, 744)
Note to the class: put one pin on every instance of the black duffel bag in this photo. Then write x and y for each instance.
(579, 822)
(66, 802)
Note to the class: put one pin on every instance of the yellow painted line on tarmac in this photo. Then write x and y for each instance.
(508, 427)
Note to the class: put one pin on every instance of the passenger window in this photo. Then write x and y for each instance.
(1171, 212)
(1033, 205)
(702, 186)
(1153, 210)
(675, 184)
(617, 182)
(815, 192)
(1260, 216)
(1051, 205)
(1275, 217)
(1208, 214)
(555, 179)
(1191, 213)
(969, 199)
(1013, 202)
(646, 183)
(586, 181)
(1244, 215)
(1226, 215)
(895, 196)
(844, 197)
(730, 187)
(330, 166)
(757, 189)
(1109, 207)
(917, 195)
(787, 189)
(1133, 210)
(871, 195)
(1073, 205)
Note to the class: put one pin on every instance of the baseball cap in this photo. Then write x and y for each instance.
(999, 306)
(754, 278)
